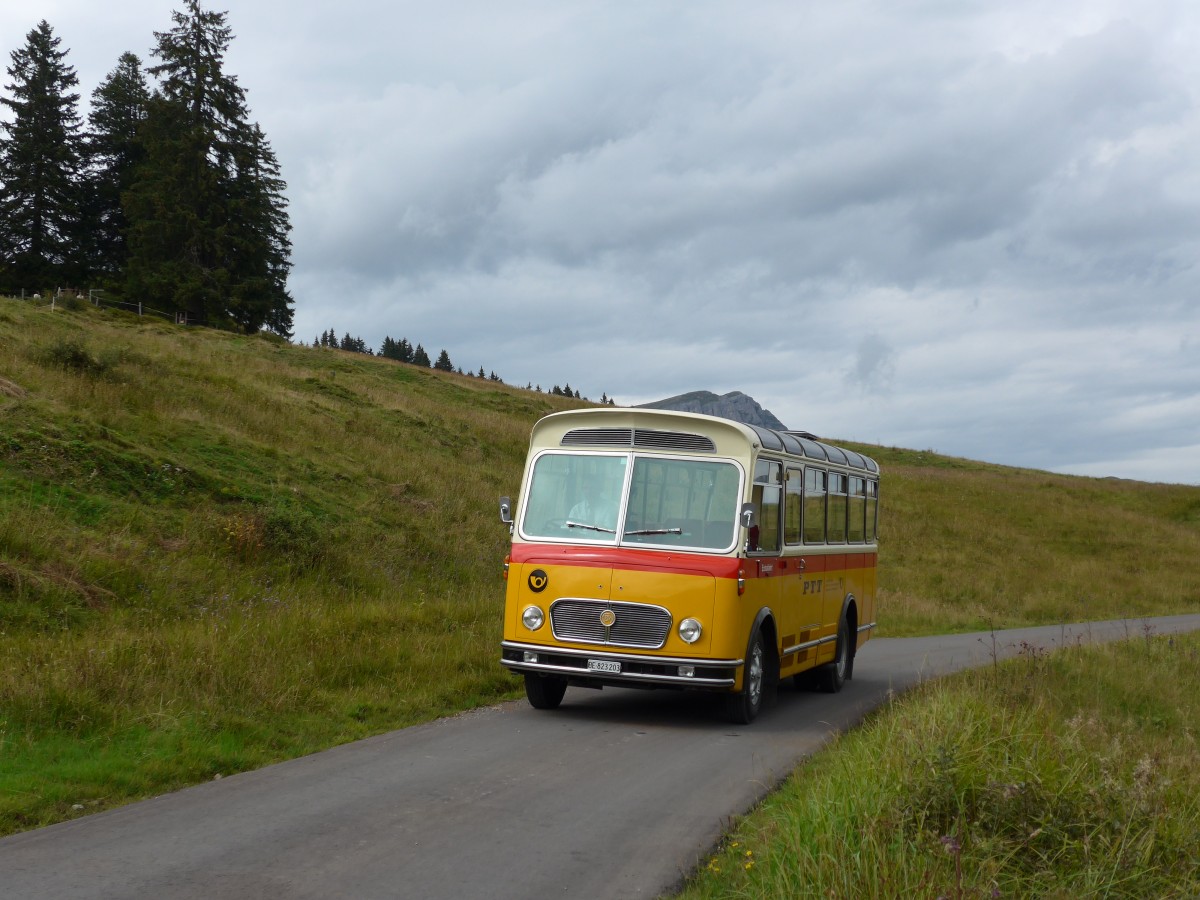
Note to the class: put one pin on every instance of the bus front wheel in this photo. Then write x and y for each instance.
(746, 703)
(544, 692)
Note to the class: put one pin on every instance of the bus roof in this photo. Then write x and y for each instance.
(657, 429)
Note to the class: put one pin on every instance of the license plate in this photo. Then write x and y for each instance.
(604, 665)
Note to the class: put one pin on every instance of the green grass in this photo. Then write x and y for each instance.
(1057, 775)
(219, 551)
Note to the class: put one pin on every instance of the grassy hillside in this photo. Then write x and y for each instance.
(217, 551)
(969, 545)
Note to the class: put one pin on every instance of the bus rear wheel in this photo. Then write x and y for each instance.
(833, 675)
(744, 706)
(544, 692)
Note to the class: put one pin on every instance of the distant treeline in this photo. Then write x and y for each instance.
(405, 352)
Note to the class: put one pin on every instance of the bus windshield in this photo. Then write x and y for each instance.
(668, 501)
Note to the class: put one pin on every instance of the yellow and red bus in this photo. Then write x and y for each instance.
(673, 550)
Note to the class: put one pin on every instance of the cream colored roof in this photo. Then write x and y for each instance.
(653, 429)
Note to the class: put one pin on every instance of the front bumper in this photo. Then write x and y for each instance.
(636, 669)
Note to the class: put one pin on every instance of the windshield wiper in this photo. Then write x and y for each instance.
(591, 527)
(656, 531)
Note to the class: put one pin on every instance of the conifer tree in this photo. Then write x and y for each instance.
(114, 151)
(41, 160)
(209, 226)
(443, 363)
(258, 248)
(420, 357)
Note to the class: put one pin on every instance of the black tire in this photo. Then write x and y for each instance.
(745, 705)
(543, 691)
(832, 676)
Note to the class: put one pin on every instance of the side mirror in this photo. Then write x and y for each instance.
(506, 511)
(748, 516)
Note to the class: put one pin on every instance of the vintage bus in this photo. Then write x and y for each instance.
(674, 550)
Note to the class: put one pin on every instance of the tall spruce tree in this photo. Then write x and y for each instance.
(209, 224)
(257, 248)
(118, 110)
(41, 160)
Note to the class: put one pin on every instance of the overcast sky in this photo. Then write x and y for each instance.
(971, 227)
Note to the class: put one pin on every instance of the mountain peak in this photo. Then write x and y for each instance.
(735, 405)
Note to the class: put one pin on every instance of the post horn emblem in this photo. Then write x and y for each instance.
(538, 581)
(608, 618)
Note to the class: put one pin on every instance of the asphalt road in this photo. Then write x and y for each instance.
(618, 793)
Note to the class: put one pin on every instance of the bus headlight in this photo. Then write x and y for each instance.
(533, 618)
(689, 630)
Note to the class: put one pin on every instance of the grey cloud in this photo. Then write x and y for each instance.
(960, 226)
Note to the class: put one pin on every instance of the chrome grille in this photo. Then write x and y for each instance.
(673, 440)
(636, 625)
(606, 437)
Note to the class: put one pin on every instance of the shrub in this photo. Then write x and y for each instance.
(72, 355)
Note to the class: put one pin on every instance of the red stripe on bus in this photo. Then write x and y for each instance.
(690, 563)
(622, 558)
(814, 564)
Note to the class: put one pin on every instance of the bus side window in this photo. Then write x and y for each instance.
(793, 501)
(858, 508)
(768, 480)
(872, 510)
(835, 528)
(814, 506)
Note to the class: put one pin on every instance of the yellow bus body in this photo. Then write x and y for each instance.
(667, 575)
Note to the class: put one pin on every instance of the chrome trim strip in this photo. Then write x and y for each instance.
(808, 645)
(637, 657)
(612, 676)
